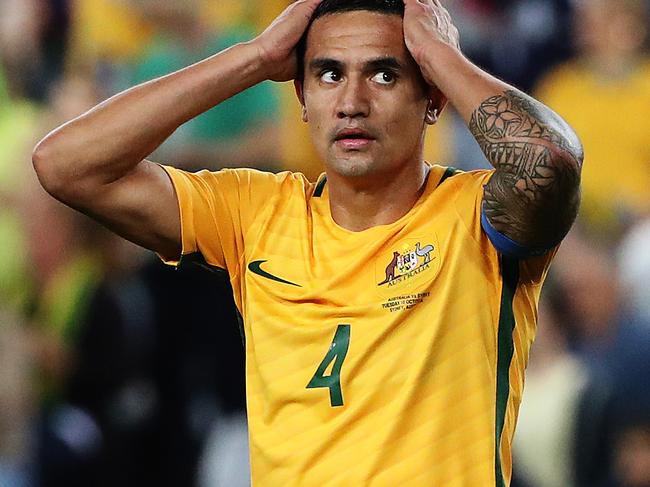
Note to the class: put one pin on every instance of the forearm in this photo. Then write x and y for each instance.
(534, 195)
(111, 139)
(494, 110)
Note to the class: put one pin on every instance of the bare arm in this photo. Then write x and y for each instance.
(534, 195)
(96, 162)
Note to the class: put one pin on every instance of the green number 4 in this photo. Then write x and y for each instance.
(336, 353)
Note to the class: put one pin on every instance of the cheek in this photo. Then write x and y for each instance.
(407, 121)
(406, 103)
(317, 112)
(318, 127)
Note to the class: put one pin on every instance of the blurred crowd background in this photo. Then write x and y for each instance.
(118, 371)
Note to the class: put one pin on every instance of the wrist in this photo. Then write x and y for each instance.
(259, 57)
(463, 83)
(438, 60)
(257, 63)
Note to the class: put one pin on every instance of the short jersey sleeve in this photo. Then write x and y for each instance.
(469, 204)
(216, 210)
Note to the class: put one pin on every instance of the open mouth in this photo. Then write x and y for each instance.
(353, 134)
(353, 139)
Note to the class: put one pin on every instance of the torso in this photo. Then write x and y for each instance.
(403, 321)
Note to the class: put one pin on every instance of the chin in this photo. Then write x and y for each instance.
(353, 167)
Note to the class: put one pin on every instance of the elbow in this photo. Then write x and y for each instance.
(572, 150)
(579, 155)
(50, 167)
(44, 164)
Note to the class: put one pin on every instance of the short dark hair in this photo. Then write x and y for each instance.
(328, 7)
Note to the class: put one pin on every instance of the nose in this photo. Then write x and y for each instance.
(353, 101)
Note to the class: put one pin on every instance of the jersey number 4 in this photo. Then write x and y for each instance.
(336, 353)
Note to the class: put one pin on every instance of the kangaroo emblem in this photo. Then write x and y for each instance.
(390, 270)
(424, 252)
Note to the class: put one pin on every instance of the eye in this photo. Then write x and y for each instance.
(330, 76)
(384, 78)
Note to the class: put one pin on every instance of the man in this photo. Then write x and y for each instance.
(388, 307)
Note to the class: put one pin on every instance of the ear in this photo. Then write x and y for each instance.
(298, 86)
(437, 103)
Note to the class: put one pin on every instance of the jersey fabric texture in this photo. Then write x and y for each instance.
(390, 356)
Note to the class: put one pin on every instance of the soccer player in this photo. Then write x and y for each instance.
(389, 306)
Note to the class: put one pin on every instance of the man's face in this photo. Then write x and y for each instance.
(364, 96)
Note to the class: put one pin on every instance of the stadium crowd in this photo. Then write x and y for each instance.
(115, 370)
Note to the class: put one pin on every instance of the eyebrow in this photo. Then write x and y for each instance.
(321, 64)
(386, 62)
(376, 64)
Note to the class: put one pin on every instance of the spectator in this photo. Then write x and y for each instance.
(555, 382)
(604, 93)
(614, 344)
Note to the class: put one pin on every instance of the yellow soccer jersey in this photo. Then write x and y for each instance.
(389, 357)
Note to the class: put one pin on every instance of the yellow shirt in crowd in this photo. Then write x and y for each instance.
(612, 118)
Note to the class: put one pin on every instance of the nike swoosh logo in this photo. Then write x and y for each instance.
(256, 268)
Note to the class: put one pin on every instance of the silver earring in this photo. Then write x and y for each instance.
(432, 116)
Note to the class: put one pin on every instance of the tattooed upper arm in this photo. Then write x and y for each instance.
(534, 195)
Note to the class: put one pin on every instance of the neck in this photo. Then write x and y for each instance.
(361, 203)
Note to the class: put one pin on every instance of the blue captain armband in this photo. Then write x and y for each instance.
(506, 245)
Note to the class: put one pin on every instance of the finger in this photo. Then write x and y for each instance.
(306, 7)
(422, 3)
(417, 4)
(439, 6)
(309, 4)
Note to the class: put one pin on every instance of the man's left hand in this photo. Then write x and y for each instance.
(427, 24)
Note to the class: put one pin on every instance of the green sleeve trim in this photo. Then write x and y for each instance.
(449, 172)
(240, 326)
(505, 344)
(197, 258)
(318, 192)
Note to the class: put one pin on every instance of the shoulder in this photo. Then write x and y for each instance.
(462, 193)
(242, 177)
(282, 182)
(465, 182)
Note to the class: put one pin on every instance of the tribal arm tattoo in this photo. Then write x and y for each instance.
(534, 195)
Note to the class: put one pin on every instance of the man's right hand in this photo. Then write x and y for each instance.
(277, 44)
(96, 162)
